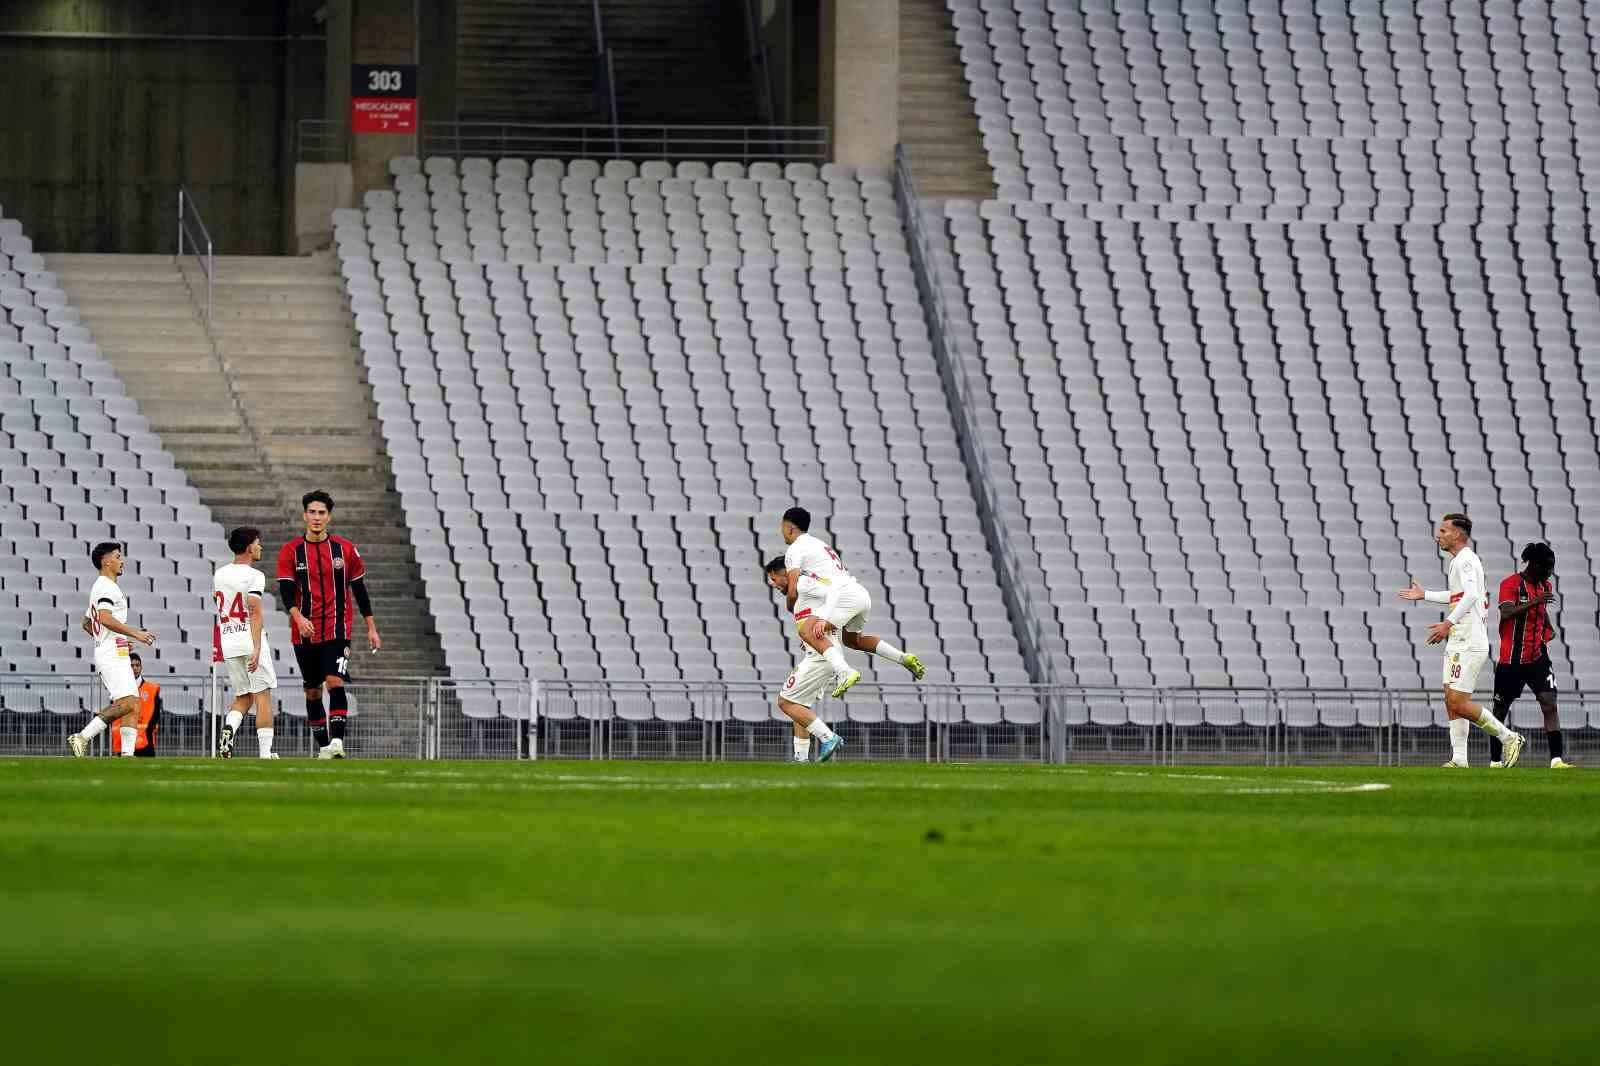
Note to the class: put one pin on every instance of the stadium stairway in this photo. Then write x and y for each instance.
(938, 126)
(502, 45)
(280, 407)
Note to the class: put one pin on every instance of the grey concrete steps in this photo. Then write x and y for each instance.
(938, 125)
(289, 373)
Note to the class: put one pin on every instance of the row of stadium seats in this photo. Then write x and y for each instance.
(618, 420)
(1244, 343)
(79, 464)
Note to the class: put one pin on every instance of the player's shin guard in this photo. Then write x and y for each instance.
(338, 708)
(317, 718)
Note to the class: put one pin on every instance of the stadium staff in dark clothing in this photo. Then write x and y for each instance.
(1525, 635)
(317, 575)
(148, 717)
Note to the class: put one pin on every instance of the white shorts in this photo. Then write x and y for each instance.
(264, 679)
(1462, 663)
(848, 607)
(116, 673)
(812, 676)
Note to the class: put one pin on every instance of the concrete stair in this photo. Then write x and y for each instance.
(270, 403)
(938, 125)
(526, 61)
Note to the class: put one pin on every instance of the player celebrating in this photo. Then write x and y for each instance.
(1525, 635)
(106, 620)
(1466, 640)
(807, 680)
(317, 574)
(814, 570)
(238, 587)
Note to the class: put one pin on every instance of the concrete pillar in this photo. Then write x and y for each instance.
(381, 31)
(860, 80)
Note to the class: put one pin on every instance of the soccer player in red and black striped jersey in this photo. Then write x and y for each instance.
(317, 575)
(1525, 635)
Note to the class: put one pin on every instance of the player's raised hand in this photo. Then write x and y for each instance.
(1413, 592)
(145, 637)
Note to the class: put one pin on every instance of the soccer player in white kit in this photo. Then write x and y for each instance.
(1466, 641)
(245, 652)
(809, 679)
(106, 620)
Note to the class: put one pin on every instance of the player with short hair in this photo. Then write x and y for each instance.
(242, 642)
(1466, 640)
(106, 620)
(813, 569)
(1525, 635)
(317, 574)
(809, 679)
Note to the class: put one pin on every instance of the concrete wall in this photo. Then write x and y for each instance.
(859, 79)
(134, 104)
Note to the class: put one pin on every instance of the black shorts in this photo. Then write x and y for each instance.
(1511, 678)
(322, 660)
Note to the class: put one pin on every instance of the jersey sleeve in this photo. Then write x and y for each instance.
(791, 557)
(256, 582)
(286, 562)
(356, 568)
(1508, 592)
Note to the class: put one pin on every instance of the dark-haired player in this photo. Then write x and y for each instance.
(1465, 639)
(242, 641)
(1525, 635)
(317, 574)
(106, 620)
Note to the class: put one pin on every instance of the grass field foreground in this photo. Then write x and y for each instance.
(288, 912)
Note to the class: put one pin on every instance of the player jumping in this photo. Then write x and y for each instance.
(1525, 635)
(1466, 646)
(809, 678)
(238, 587)
(317, 575)
(814, 570)
(106, 620)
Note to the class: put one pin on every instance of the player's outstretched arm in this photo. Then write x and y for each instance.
(109, 620)
(1413, 592)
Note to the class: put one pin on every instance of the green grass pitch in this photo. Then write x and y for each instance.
(196, 911)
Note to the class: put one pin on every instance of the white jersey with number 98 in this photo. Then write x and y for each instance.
(821, 569)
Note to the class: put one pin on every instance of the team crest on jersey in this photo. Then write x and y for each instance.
(338, 562)
(1455, 657)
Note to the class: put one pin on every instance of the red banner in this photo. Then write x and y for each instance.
(382, 114)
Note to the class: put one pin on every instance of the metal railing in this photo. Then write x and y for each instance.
(437, 718)
(193, 236)
(605, 75)
(322, 140)
(793, 144)
(407, 718)
(959, 395)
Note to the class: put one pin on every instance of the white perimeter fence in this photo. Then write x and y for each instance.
(435, 718)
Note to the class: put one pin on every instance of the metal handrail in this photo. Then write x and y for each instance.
(605, 75)
(199, 239)
(322, 140)
(458, 140)
(958, 393)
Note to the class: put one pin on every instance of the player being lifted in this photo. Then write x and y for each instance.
(106, 620)
(836, 601)
(1466, 640)
(242, 642)
(317, 575)
(1525, 635)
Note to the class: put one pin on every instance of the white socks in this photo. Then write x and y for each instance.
(890, 652)
(234, 720)
(96, 726)
(819, 729)
(264, 740)
(802, 749)
(835, 657)
(130, 739)
(1459, 729)
(1492, 725)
